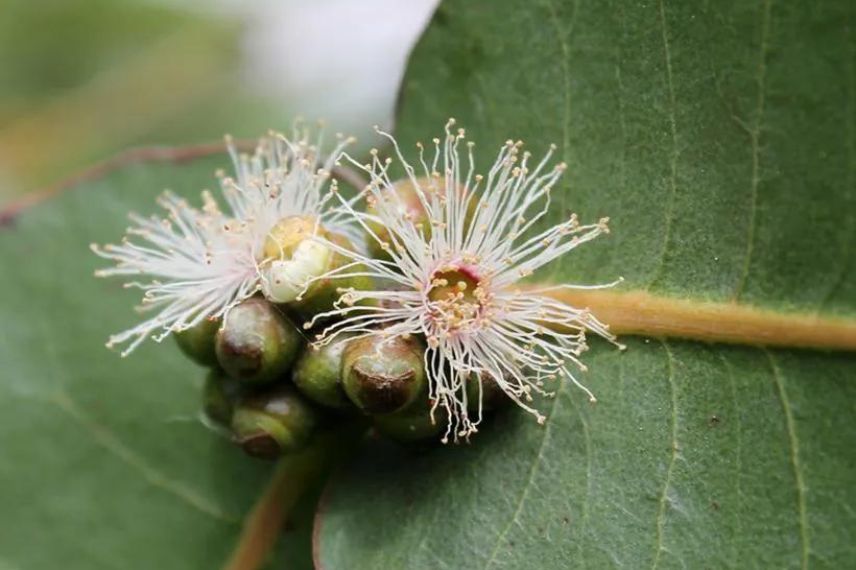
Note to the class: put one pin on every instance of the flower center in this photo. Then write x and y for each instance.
(457, 297)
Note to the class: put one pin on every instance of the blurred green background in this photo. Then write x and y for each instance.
(83, 79)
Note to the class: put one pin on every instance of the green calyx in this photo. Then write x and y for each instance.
(270, 424)
(257, 344)
(414, 423)
(407, 197)
(219, 396)
(197, 342)
(318, 375)
(483, 392)
(383, 375)
(410, 425)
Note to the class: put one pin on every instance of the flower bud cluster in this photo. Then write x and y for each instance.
(403, 303)
(272, 391)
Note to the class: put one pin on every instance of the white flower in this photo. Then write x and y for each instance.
(198, 263)
(454, 272)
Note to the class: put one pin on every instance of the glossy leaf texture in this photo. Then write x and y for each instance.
(720, 138)
(105, 461)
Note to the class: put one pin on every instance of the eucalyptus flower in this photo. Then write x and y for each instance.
(453, 275)
(198, 263)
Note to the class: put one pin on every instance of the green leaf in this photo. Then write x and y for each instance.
(694, 457)
(721, 140)
(105, 462)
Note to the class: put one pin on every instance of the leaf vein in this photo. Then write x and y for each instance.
(585, 504)
(754, 137)
(562, 38)
(524, 494)
(794, 446)
(738, 460)
(673, 159)
(109, 441)
(664, 495)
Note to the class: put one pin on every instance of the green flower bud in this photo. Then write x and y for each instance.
(293, 258)
(407, 196)
(318, 375)
(219, 395)
(411, 425)
(383, 375)
(197, 342)
(413, 207)
(272, 423)
(483, 388)
(256, 343)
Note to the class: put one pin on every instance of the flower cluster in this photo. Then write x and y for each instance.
(201, 262)
(440, 256)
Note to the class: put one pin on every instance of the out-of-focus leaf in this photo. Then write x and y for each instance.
(105, 462)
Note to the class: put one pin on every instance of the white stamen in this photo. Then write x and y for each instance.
(458, 287)
(200, 262)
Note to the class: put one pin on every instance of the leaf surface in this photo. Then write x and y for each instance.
(105, 462)
(719, 138)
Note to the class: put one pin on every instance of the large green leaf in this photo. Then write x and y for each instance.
(720, 139)
(694, 457)
(105, 463)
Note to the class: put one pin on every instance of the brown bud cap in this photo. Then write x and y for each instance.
(383, 375)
